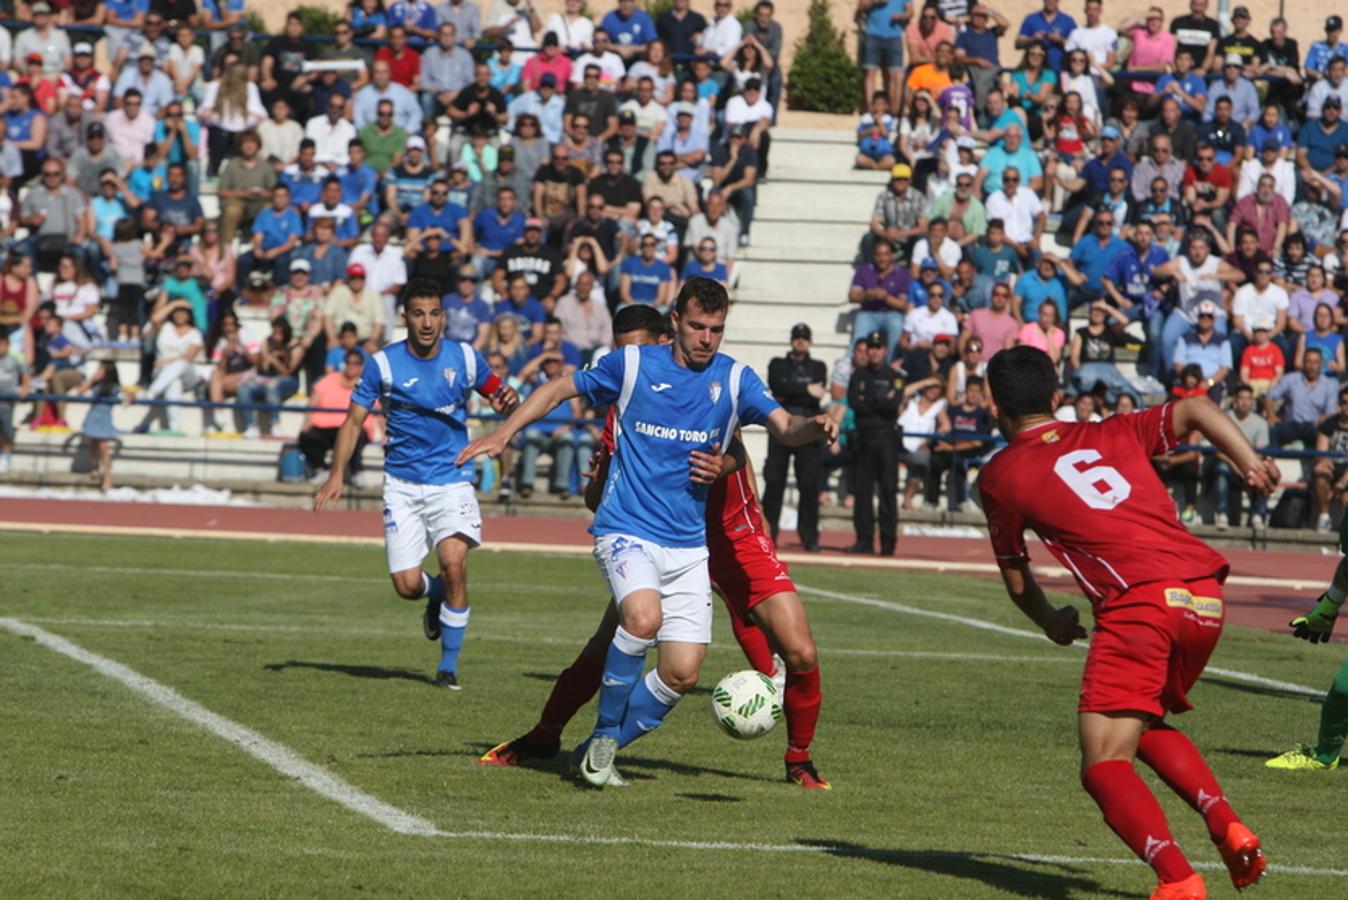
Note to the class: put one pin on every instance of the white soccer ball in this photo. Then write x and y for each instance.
(746, 704)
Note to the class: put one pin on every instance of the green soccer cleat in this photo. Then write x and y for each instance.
(1300, 758)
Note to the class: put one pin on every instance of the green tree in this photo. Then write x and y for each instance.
(824, 76)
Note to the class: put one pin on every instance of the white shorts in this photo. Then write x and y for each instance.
(680, 575)
(417, 517)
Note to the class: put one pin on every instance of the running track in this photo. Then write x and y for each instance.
(1283, 582)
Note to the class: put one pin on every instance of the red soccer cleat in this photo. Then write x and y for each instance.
(512, 753)
(1243, 856)
(803, 774)
(1191, 888)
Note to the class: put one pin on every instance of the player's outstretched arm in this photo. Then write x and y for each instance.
(1061, 624)
(331, 491)
(797, 431)
(1201, 414)
(541, 402)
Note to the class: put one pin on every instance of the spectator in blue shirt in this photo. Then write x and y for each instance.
(467, 316)
(703, 264)
(882, 44)
(1185, 85)
(1040, 284)
(1244, 97)
(277, 231)
(1128, 281)
(1091, 258)
(523, 305)
(347, 340)
(1049, 28)
(496, 228)
(148, 177)
(178, 140)
(417, 16)
(1271, 125)
(438, 214)
(1321, 52)
(1317, 141)
(976, 49)
(304, 177)
(645, 278)
(360, 184)
(631, 30)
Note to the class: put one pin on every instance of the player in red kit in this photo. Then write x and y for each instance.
(744, 569)
(1089, 492)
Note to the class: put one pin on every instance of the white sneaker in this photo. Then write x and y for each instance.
(1223, 521)
(275, 433)
(1258, 523)
(596, 767)
(4, 463)
(320, 477)
(1322, 524)
(251, 433)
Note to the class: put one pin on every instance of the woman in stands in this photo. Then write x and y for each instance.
(1045, 333)
(214, 263)
(659, 68)
(77, 299)
(229, 107)
(917, 135)
(104, 388)
(232, 359)
(1030, 86)
(276, 378)
(1325, 337)
(507, 340)
(748, 60)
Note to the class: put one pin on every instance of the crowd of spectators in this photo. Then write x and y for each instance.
(1175, 190)
(545, 173)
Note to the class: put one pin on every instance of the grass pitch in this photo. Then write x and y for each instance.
(951, 750)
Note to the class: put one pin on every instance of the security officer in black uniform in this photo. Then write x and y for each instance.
(799, 383)
(875, 394)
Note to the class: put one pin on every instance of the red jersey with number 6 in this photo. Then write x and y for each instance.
(1090, 493)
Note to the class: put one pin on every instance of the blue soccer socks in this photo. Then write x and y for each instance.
(453, 626)
(622, 670)
(650, 702)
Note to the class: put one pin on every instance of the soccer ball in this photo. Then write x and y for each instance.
(746, 704)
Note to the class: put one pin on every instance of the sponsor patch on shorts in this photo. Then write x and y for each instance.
(1208, 607)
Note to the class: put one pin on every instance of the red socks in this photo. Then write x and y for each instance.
(574, 688)
(801, 706)
(753, 642)
(1174, 757)
(1131, 810)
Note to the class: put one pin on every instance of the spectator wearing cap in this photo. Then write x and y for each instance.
(85, 81)
(734, 172)
(1241, 91)
(1204, 347)
(1241, 43)
(44, 38)
(94, 154)
(645, 277)
(332, 134)
(976, 48)
(277, 232)
(637, 151)
(540, 265)
(800, 384)
(406, 109)
(1332, 84)
(353, 300)
(245, 185)
(544, 104)
(1321, 52)
(1268, 161)
(597, 105)
(899, 214)
(1103, 181)
(550, 61)
(407, 182)
(301, 302)
(1317, 141)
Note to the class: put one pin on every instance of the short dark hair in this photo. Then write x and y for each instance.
(710, 296)
(1023, 381)
(348, 328)
(353, 354)
(639, 317)
(421, 288)
(1244, 388)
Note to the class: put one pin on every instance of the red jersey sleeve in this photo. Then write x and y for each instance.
(1153, 428)
(606, 439)
(1006, 529)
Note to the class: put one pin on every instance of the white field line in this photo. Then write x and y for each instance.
(288, 763)
(1233, 674)
(278, 757)
(564, 550)
(578, 641)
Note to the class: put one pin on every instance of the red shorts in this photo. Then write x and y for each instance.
(1149, 646)
(747, 572)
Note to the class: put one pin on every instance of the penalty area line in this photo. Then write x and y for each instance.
(278, 757)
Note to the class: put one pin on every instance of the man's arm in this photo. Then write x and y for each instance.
(797, 431)
(331, 491)
(1201, 414)
(1060, 625)
(541, 402)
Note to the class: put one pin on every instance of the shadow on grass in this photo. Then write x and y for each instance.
(1276, 693)
(1008, 874)
(633, 768)
(710, 798)
(1247, 752)
(379, 673)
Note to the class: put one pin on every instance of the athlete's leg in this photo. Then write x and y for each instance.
(1109, 741)
(639, 618)
(578, 682)
(782, 618)
(752, 641)
(1173, 756)
(453, 556)
(675, 675)
(1333, 720)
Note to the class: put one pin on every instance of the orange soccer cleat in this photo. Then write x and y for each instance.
(1191, 888)
(1243, 856)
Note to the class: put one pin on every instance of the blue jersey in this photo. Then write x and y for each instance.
(425, 404)
(664, 412)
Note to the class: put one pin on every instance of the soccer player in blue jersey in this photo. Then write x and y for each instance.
(650, 528)
(422, 385)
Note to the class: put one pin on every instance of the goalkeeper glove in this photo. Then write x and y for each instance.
(1318, 624)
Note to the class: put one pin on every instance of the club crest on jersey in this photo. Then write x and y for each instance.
(715, 391)
(450, 375)
(1051, 437)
